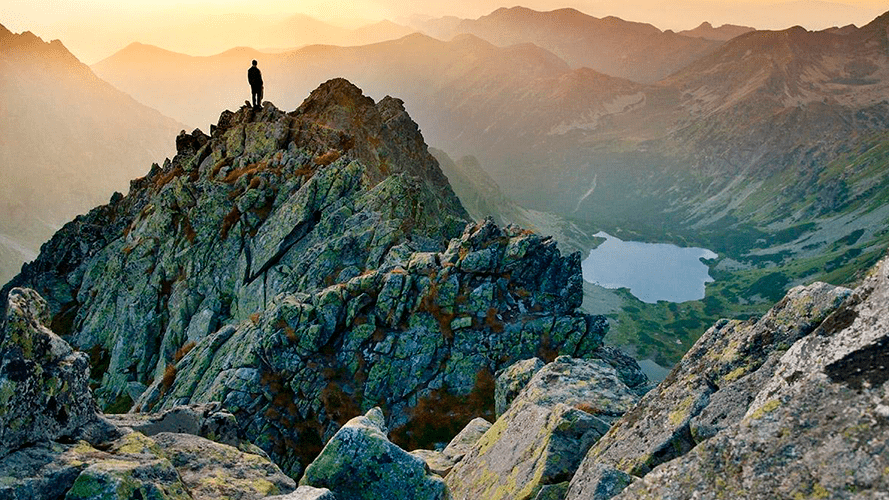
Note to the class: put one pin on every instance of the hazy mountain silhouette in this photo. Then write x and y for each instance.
(208, 34)
(69, 141)
(723, 33)
(636, 51)
(434, 76)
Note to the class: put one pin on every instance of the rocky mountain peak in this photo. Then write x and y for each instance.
(382, 135)
(319, 261)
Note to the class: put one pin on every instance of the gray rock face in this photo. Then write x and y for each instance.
(44, 384)
(442, 462)
(361, 463)
(818, 427)
(793, 405)
(533, 449)
(389, 338)
(512, 380)
(707, 390)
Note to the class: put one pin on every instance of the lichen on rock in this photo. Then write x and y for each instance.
(360, 463)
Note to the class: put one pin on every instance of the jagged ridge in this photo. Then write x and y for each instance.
(308, 261)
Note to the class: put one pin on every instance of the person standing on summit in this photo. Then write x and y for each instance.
(254, 77)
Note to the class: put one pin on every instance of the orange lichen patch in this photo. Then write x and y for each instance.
(250, 170)
(338, 405)
(289, 332)
(546, 351)
(428, 304)
(306, 172)
(168, 378)
(189, 231)
(438, 417)
(492, 322)
(182, 351)
(255, 317)
(586, 407)
(330, 279)
(229, 221)
(225, 162)
(185, 227)
(328, 157)
(379, 334)
(164, 178)
(291, 435)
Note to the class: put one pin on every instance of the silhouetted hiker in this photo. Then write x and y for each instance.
(254, 77)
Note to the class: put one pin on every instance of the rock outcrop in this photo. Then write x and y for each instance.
(512, 380)
(793, 405)
(534, 448)
(302, 268)
(360, 463)
(442, 462)
(44, 384)
(56, 445)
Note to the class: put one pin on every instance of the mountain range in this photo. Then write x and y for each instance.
(69, 141)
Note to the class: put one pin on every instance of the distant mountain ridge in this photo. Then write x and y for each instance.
(631, 50)
(69, 141)
(723, 33)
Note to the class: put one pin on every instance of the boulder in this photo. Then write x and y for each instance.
(124, 479)
(305, 493)
(213, 470)
(512, 380)
(441, 462)
(44, 384)
(817, 427)
(527, 448)
(206, 420)
(710, 389)
(361, 463)
(533, 449)
(167, 465)
(591, 385)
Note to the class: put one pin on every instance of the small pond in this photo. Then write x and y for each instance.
(652, 271)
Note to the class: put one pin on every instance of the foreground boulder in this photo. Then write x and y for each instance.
(56, 445)
(534, 448)
(818, 427)
(44, 384)
(441, 462)
(512, 380)
(360, 463)
(793, 405)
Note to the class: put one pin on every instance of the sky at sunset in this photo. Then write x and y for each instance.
(95, 29)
